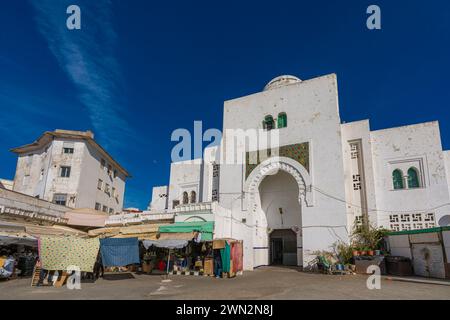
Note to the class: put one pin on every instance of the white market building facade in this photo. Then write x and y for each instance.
(325, 177)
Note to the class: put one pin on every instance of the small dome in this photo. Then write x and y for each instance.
(281, 81)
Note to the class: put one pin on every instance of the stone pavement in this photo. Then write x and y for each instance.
(263, 283)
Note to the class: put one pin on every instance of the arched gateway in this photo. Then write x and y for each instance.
(277, 191)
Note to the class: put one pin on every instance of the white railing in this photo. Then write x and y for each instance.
(136, 218)
(190, 207)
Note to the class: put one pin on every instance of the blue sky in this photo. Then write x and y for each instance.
(137, 70)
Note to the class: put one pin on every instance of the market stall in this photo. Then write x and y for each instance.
(180, 255)
(219, 258)
(231, 256)
(19, 243)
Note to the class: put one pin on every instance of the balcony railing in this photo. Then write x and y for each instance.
(137, 218)
(193, 207)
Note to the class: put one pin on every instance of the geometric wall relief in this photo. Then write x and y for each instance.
(411, 221)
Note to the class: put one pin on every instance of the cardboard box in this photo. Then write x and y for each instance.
(209, 266)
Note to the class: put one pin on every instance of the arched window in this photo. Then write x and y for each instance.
(413, 178)
(193, 197)
(397, 179)
(185, 198)
(282, 120)
(268, 123)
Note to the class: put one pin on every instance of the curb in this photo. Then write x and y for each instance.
(424, 281)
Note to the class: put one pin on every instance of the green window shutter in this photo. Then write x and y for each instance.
(269, 124)
(282, 120)
(397, 179)
(413, 178)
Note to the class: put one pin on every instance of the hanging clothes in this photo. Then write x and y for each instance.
(58, 253)
(225, 255)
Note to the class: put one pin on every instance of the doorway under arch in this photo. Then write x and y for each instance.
(279, 205)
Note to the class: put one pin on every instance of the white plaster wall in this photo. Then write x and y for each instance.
(312, 111)
(211, 155)
(11, 200)
(402, 146)
(92, 171)
(158, 203)
(6, 184)
(80, 187)
(359, 130)
(55, 183)
(185, 176)
(29, 165)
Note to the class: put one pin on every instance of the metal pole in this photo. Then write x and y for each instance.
(168, 260)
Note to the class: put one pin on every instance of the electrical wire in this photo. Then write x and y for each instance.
(345, 201)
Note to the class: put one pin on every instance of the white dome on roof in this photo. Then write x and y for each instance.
(281, 81)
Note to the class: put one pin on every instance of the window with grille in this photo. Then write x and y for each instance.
(397, 179)
(60, 199)
(193, 197)
(282, 120)
(413, 178)
(268, 123)
(64, 172)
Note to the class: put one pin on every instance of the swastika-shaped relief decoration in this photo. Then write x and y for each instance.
(298, 152)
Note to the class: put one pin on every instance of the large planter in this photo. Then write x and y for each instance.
(370, 252)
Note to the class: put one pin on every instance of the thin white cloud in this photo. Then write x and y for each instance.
(87, 57)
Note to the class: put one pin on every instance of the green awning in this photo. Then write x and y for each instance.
(206, 228)
(429, 230)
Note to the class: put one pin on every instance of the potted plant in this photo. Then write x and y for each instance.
(367, 238)
(355, 252)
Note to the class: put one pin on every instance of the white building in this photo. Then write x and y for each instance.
(6, 184)
(326, 175)
(70, 168)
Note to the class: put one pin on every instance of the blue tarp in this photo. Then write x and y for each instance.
(119, 252)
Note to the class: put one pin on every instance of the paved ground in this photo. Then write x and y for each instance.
(264, 283)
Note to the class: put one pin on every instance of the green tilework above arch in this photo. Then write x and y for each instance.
(298, 152)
